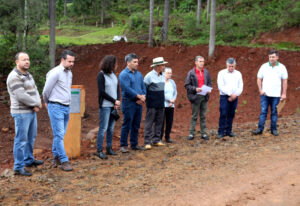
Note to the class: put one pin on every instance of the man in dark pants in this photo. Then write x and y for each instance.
(272, 85)
(230, 84)
(196, 78)
(155, 84)
(133, 97)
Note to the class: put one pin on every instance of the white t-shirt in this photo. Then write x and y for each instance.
(271, 78)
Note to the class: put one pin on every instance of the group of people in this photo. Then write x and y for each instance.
(157, 91)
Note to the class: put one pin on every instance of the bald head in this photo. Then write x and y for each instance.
(22, 61)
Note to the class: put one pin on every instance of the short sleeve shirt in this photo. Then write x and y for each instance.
(271, 78)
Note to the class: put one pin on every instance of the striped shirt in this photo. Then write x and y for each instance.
(22, 91)
(155, 85)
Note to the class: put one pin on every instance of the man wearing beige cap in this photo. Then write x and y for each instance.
(155, 84)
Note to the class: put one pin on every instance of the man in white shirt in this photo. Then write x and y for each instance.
(272, 85)
(230, 84)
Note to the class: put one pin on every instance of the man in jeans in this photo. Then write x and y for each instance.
(57, 98)
(25, 102)
(230, 84)
(196, 78)
(133, 97)
(272, 85)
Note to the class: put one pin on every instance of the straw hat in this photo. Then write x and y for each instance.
(158, 61)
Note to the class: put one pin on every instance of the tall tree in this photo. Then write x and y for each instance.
(207, 13)
(164, 31)
(151, 23)
(198, 13)
(102, 11)
(65, 8)
(212, 32)
(52, 15)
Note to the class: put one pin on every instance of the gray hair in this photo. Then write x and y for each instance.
(231, 61)
(18, 54)
(198, 57)
(167, 69)
(130, 57)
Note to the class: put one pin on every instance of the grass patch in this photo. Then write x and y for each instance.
(83, 35)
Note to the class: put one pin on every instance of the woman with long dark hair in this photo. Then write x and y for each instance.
(109, 99)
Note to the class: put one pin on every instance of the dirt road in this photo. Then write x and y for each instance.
(246, 170)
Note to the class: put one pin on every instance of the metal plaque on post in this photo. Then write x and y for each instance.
(75, 100)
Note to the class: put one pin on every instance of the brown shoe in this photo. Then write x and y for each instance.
(55, 162)
(66, 166)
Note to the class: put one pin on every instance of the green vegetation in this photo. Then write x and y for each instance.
(83, 35)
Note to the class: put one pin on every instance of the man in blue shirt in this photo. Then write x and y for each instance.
(133, 97)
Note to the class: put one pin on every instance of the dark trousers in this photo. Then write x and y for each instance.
(199, 108)
(265, 102)
(227, 112)
(168, 118)
(132, 114)
(153, 123)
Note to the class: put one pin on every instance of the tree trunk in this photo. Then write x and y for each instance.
(65, 8)
(25, 25)
(207, 13)
(52, 13)
(164, 32)
(175, 4)
(151, 23)
(20, 26)
(198, 13)
(212, 33)
(102, 11)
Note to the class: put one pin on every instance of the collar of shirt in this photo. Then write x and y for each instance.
(130, 71)
(199, 72)
(272, 65)
(64, 69)
(20, 73)
(155, 72)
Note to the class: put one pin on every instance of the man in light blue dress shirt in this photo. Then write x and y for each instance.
(57, 98)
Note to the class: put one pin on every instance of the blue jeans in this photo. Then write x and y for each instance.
(265, 102)
(25, 130)
(59, 118)
(132, 114)
(106, 124)
(227, 112)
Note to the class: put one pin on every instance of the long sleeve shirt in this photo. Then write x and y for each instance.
(155, 85)
(22, 91)
(230, 82)
(58, 85)
(170, 92)
(132, 84)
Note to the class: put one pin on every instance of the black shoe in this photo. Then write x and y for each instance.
(109, 151)
(35, 163)
(205, 137)
(274, 132)
(124, 150)
(169, 140)
(190, 137)
(22, 172)
(257, 132)
(231, 134)
(136, 148)
(220, 136)
(101, 155)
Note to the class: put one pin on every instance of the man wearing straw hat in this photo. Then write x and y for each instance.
(272, 85)
(155, 84)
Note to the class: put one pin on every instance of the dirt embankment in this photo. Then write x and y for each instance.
(246, 170)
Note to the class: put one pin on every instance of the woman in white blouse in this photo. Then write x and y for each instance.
(170, 97)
